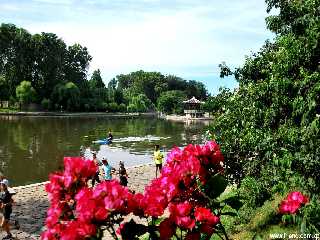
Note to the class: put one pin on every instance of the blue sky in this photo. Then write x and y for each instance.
(187, 38)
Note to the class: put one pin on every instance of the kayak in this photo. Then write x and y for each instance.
(102, 141)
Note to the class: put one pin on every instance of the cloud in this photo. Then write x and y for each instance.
(185, 37)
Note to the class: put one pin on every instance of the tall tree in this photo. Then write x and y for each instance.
(76, 65)
(96, 80)
(49, 56)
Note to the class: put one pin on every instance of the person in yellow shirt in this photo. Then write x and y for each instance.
(158, 158)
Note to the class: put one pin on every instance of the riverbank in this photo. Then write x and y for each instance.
(31, 203)
(79, 114)
(186, 119)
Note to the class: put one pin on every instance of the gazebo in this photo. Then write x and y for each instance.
(192, 108)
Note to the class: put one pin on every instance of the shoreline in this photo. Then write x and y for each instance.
(77, 114)
(45, 182)
(187, 120)
(31, 202)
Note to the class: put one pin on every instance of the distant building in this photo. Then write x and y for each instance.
(192, 108)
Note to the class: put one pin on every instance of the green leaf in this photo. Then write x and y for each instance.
(303, 226)
(232, 214)
(215, 186)
(234, 202)
(158, 221)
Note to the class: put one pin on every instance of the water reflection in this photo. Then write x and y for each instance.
(31, 147)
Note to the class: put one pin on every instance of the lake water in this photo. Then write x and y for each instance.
(32, 147)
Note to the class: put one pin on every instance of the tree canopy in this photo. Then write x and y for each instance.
(56, 70)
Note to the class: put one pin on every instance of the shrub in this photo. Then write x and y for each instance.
(45, 103)
(187, 189)
(25, 92)
(113, 107)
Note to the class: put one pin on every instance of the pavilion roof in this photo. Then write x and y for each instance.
(193, 100)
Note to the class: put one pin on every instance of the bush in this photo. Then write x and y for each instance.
(122, 107)
(139, 103)
(171, 102)
(66, 95)
(25, 92)
(113, 107)
(271, 128)
(189, 184)
(45, 103)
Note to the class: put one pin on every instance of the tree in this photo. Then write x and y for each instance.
(272, 124)
(196, 89)
(49, 55)
(25, 92)
(15, 55)
(219, 102)
(171, 102)
(76, 64)
(72, 96)
(4, 89)
(139, 103)
(66, 96)
(96, 80)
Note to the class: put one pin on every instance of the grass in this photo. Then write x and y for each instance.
(8, 110)
(263, 222)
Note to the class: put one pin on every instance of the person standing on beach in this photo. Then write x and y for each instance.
(158, 158)
(6, 206)
(108, 170)
(123, 176)
(95, 178)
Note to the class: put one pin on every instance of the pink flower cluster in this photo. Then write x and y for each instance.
(62, 191)
(293, 202)
(178, 188)
(79, 212)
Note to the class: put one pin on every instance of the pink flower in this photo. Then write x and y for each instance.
(298, 196)
(180, 209)
(180, 215)
(86, 230)
(193, 236)
(47, 235)
(185, 222)
(101, 214)
(77, 211)
(207, 229)
(166, 229)
(205, 215)
(292, 203)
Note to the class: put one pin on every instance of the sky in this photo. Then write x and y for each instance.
(187, 38)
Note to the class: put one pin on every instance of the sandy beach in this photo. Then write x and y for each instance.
(31, 203)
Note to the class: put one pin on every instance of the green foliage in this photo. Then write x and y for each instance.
(113, 107)
(311, 213)
(154, 85)
(25, 92)
(271, 125)
(96, 80)
(4, 89)
(45, 103)
(139, 103)
(66, 96)
(47, 62)
(269, 130)
(218, 103)
(215, 186)
(42, 59)
(171, 102)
